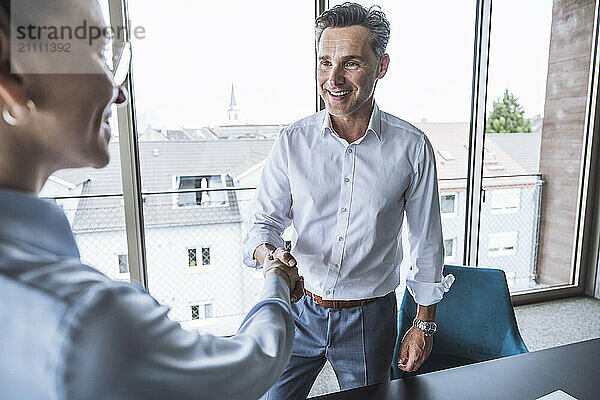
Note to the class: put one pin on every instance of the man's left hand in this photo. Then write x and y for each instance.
(414, 350)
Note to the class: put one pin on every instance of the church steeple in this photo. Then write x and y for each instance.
(233, 111)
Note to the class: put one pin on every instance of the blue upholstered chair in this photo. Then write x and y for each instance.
(476, 322)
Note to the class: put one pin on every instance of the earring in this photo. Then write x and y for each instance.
(12, 120)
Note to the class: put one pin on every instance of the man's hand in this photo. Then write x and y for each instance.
(282, 263)
(414, 349)
(262, 251)
(295, 282)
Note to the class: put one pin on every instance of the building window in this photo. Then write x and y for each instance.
(502, 244)
(209, 310)
(123, 264)
(192, 259)
(195, 311)
(489, 157)
(206, 256)
(446, 155)
(202, 311)
(449, 249)
(201, 198)
(505, 201)
(448, 205)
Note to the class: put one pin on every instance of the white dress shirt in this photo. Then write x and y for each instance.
(69, 332)
(346, 204)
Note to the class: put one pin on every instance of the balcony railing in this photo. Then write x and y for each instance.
(194, 247)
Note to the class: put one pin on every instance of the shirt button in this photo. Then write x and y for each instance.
(341, 239)
(335, 266)
(328, 292)
(349, 151)
(344, 210)
(347, 180)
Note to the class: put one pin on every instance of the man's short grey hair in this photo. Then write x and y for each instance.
(349, 14)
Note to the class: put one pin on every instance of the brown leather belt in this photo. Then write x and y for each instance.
(340, 303)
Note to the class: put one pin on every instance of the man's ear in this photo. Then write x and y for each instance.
(12, 90)
(383, 66)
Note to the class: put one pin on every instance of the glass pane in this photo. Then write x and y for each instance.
(448, 203)
(428, 84)
(537, 91)
(211, 95)
(92, 200)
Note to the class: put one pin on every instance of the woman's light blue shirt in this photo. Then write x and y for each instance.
(69, 332)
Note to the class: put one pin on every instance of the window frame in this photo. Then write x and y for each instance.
(199, 267)
(200, 322)
(492, 192)
(501, 237)
(175, 196)
(203, 257)
(120, 256)
(587, 222)
(451, 258)
(454, 212)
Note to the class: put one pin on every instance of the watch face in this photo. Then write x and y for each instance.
(427, 327)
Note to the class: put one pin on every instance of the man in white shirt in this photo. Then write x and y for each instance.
(343, 178)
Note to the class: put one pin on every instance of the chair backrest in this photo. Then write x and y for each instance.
(475, 319)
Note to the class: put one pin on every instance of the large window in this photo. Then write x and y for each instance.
(539, 59)
(206, 136)
(215, 82)
(207, 111)
(92, 200)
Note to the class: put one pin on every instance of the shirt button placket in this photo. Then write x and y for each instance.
(342, 221)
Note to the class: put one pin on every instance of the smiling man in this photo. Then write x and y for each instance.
(344, 178)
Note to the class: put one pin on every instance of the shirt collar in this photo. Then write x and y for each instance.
(37, 222)
(374, 123)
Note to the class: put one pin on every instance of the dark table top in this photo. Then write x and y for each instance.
(573, 368)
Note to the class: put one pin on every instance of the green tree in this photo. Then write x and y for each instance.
(507, 116)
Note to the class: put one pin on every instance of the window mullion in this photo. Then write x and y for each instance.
(477, 130)
(320, 7)
(587, 261)
(130, 164)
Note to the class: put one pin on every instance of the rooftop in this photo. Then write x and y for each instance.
(178, 155)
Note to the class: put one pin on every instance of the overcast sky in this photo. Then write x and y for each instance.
(194, 50)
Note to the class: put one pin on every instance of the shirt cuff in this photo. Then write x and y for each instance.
(428, 293)
(252, 243)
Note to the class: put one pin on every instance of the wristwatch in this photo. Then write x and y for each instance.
(428, 327)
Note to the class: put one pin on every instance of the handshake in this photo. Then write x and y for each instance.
(279, 261)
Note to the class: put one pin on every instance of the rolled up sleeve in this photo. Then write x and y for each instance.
(425, 281)
(270, 211)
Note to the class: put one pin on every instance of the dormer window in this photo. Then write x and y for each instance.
(199, 197)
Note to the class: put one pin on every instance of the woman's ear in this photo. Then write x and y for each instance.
(12, 90)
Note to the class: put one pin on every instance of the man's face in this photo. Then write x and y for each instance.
(348, 69)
